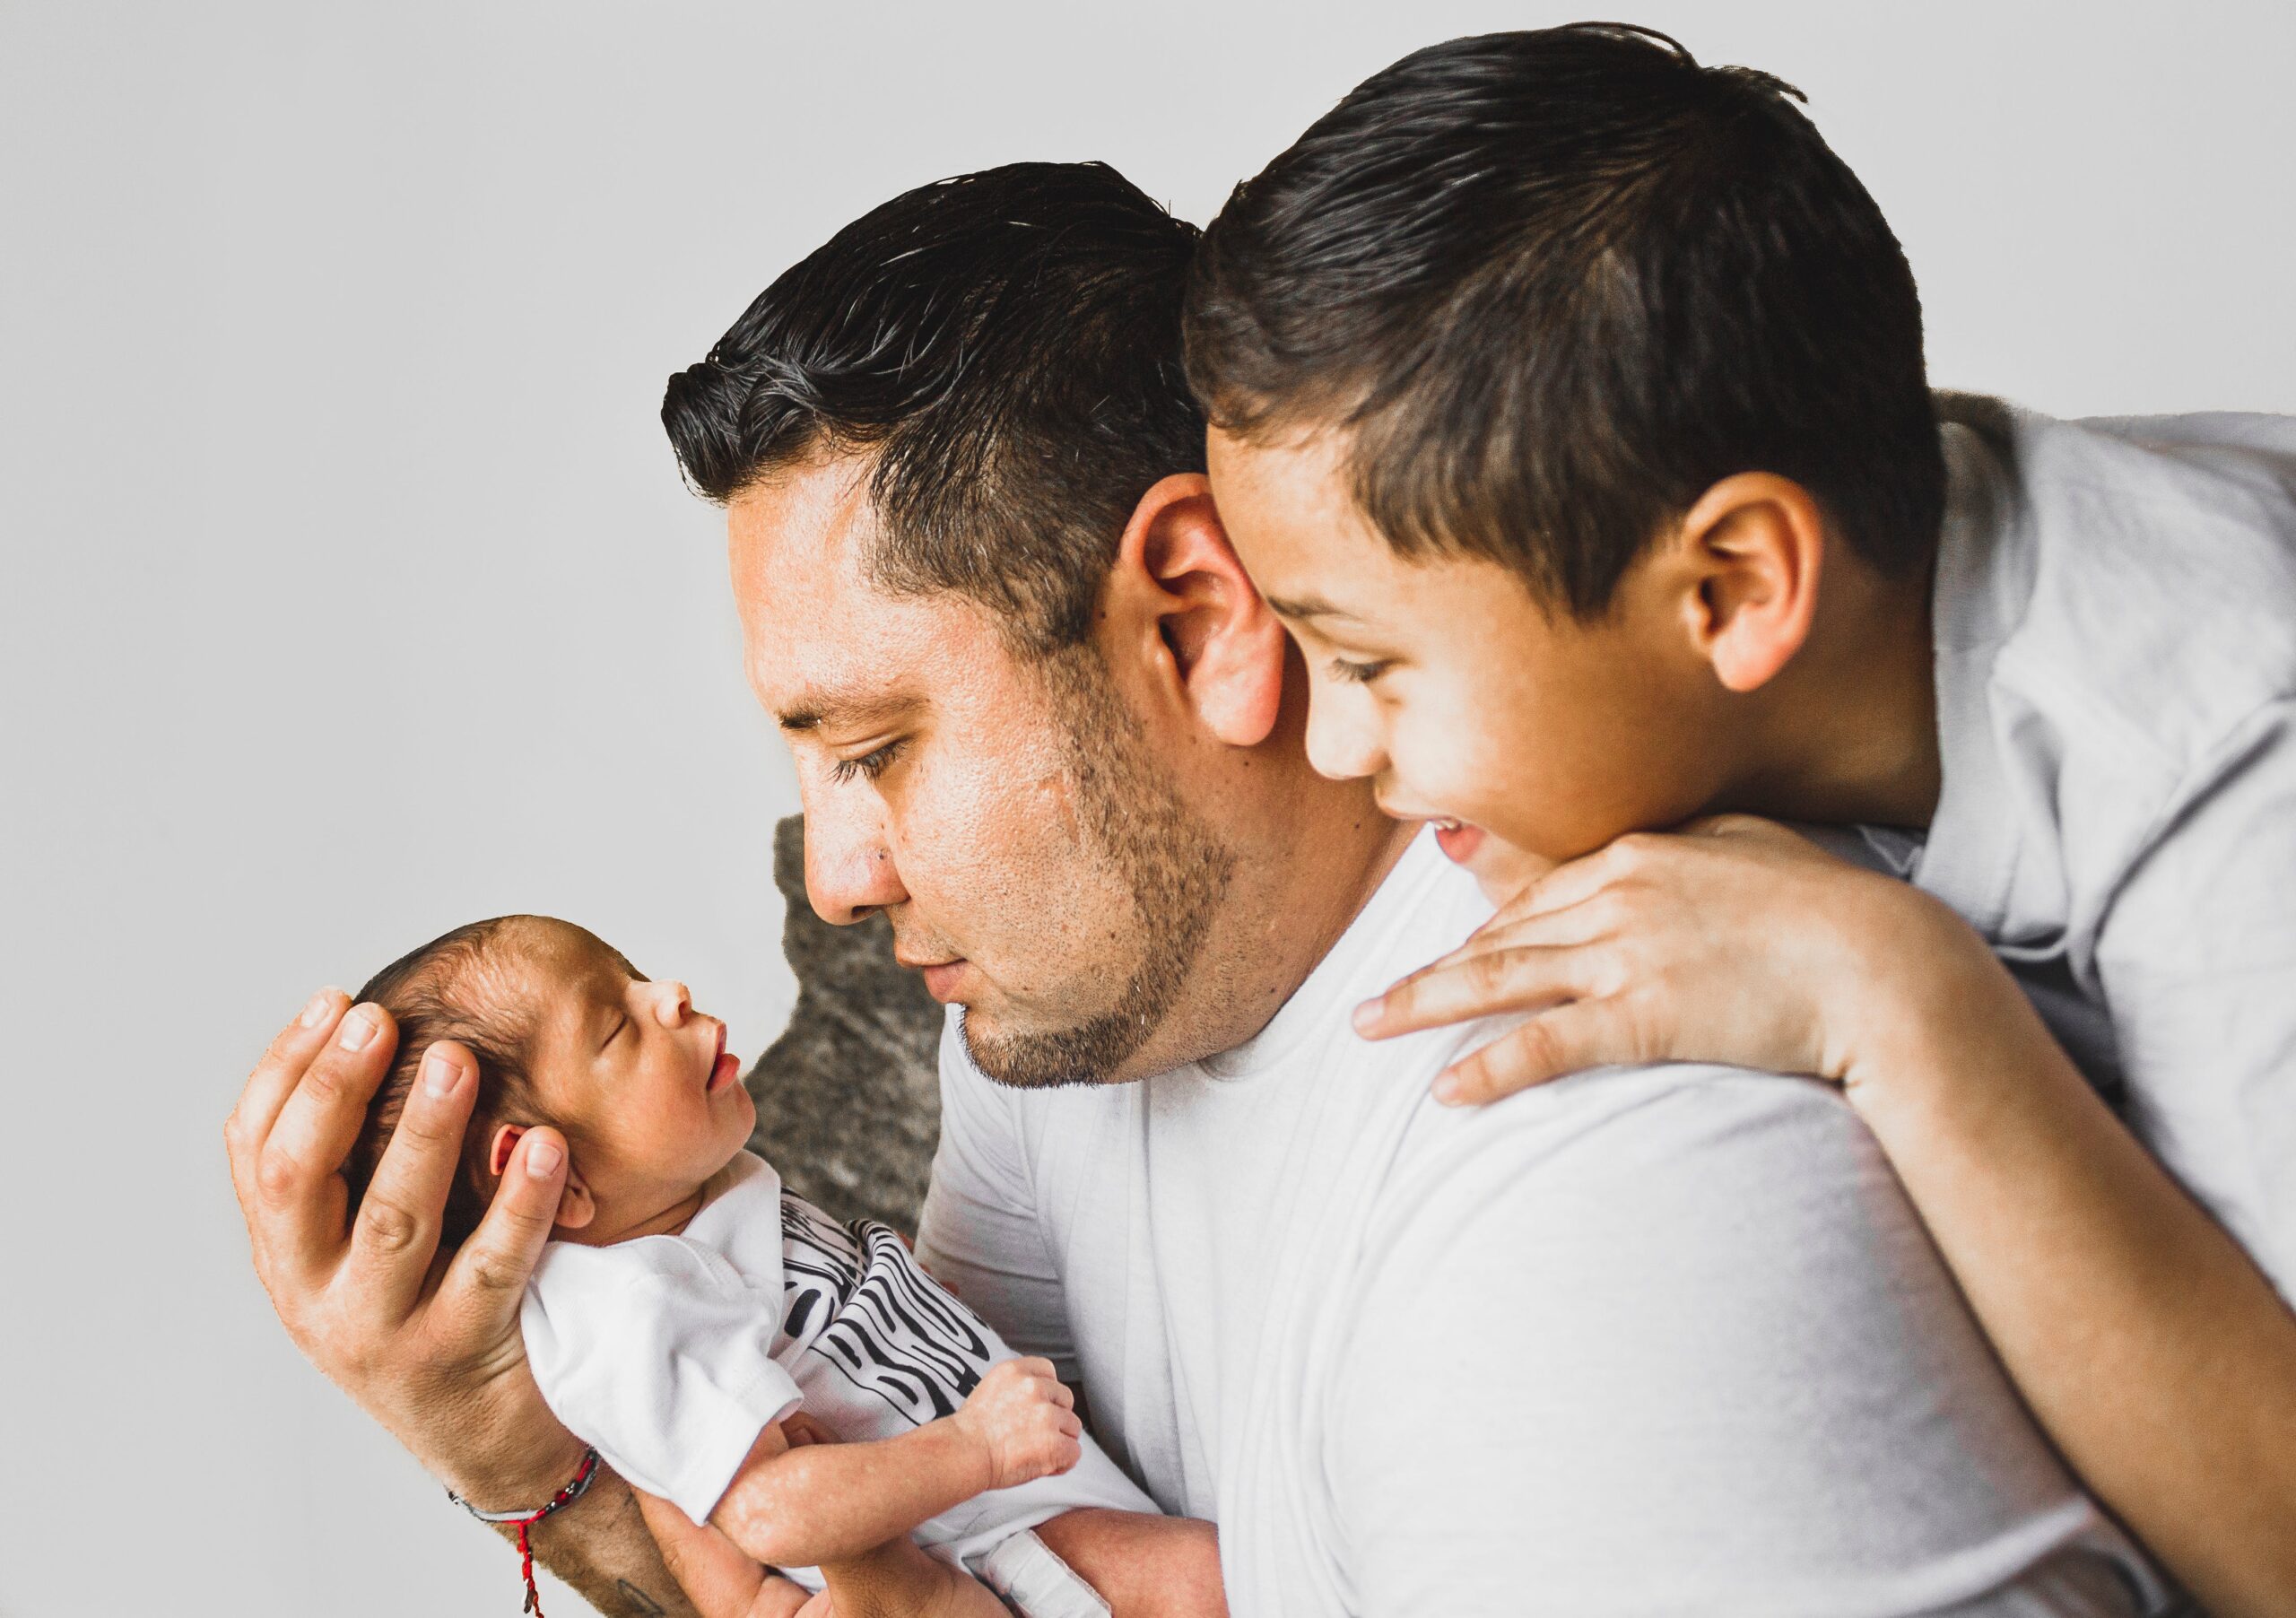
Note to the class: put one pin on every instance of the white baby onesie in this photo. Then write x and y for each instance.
(670, 1353)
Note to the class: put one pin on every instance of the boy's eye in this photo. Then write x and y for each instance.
(869, 766)
(1359, 674)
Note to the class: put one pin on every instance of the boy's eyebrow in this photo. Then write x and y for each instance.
(1308, 606)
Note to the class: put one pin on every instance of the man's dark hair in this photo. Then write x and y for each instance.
(436, 993)
(1554, 285)
(1006, 345)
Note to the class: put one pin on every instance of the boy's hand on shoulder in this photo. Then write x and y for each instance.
(1023, 1422)
(1733, 940)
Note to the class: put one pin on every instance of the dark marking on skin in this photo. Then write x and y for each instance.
(640, 1601)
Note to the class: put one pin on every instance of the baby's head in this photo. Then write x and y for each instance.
(564, 1032)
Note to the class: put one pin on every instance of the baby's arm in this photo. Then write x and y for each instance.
(1143, 1566)
(807, 1504)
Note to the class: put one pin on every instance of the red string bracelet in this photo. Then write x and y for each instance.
(525, 1520)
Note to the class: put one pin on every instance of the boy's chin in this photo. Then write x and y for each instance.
(1501, 870)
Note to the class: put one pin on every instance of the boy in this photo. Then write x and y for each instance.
(697, 1325)
(1567, 404)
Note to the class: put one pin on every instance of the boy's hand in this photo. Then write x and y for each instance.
(1025, 1422)
(1732, 941)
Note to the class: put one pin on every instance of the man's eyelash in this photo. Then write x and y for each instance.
(869, 766)
(1359, 674)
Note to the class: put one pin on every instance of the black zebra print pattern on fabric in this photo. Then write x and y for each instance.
(853, 1295)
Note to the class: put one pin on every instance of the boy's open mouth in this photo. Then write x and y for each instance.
(1458, 839)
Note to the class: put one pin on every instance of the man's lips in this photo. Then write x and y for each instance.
(941, 976)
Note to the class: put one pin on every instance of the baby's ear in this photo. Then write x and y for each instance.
(498, 1152)
(576, 1205)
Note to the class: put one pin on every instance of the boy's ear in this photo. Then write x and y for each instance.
(1753, 548)
(1178, 591)
(577, 1204)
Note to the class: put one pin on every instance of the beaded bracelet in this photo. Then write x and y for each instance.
(525, 1520)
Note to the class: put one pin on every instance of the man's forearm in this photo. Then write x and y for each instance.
(601, 1545)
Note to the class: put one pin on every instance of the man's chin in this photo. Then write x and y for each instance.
(1088, 1053)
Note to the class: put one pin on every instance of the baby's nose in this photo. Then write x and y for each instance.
(672, 1001)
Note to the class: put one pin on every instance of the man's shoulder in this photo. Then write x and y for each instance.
(1657, 1141)
(1698, 1296)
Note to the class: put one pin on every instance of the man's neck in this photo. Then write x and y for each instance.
(1848, 732)
(1304, 878)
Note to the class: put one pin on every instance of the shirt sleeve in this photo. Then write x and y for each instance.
(657, 1353)
(1673, 1340)
(979, 1235)
(2197, 960)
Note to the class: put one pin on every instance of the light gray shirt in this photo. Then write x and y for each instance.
(2116, 637)
(1638, 1341)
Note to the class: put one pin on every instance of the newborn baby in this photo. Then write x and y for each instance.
(693, 1322)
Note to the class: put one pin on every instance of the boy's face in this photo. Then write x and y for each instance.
(650, 1100)
(1450, 685)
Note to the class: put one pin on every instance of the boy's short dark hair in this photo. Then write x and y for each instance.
(434, 992)
(1557, 284)
(1007, 345)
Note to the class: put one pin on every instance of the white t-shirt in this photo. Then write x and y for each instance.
(1668, 1340)
(2116, 635)
(670, 1353)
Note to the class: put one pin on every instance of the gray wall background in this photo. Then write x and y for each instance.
(350, 592)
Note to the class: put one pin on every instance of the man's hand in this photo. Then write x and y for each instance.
(1732, 941)
(430, 1349)
(1024, 1421)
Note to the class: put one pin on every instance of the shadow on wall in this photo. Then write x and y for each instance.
(849, 1099)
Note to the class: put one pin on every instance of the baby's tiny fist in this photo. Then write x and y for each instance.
(1025, 1422)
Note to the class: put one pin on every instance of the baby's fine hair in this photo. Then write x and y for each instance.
(446, 990)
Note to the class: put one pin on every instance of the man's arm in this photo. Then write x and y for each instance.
(978, 1235)
(1673, 1340)
(433, 1355)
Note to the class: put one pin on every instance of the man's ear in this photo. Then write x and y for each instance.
(576, 1205)
(1179, 590)
(1751, 550)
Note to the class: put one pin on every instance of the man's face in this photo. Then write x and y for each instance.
(1447, 682)
(1004, 815)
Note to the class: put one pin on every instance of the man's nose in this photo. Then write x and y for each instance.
(849, 872)
(1343, 739)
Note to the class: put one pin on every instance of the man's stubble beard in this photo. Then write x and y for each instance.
(1176, 868)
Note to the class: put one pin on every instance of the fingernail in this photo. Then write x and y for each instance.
(1366, 1015)
(1448, 1089)
(314, 1012)
(357, 1029)
(543, 1158)
(439, 1077)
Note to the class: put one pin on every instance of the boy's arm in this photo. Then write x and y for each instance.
(804, 1505)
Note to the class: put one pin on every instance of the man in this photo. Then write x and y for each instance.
(1671, 1342)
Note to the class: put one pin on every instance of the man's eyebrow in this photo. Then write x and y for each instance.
(843, 710)
(1308, 606)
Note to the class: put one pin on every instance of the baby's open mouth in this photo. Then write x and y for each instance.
(724, 1067)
